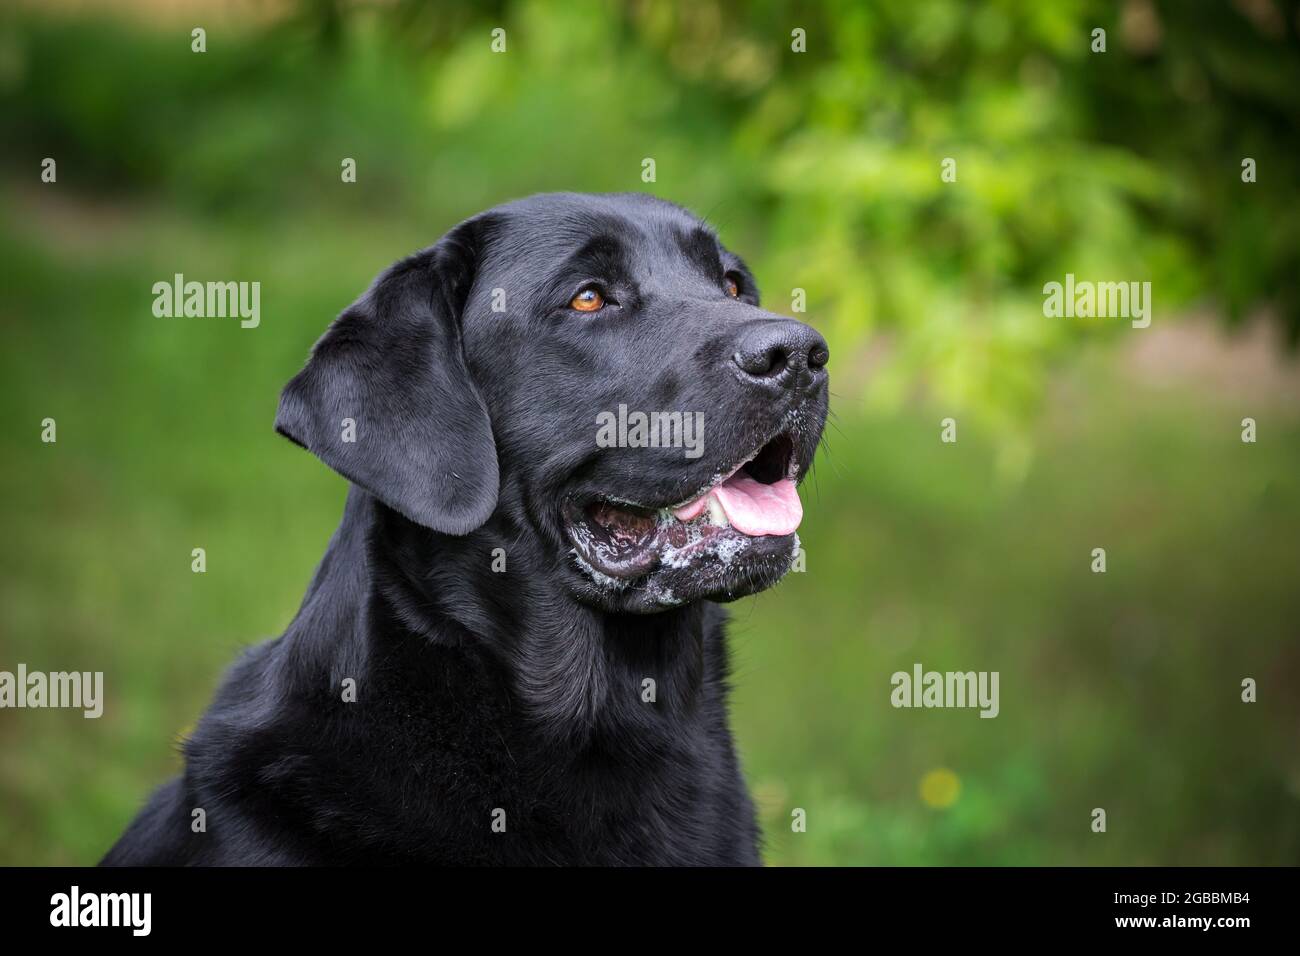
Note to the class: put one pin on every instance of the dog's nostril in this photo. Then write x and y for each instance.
(763, 363)
(818, 357)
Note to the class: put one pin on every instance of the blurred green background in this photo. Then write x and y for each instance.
(1118, 690)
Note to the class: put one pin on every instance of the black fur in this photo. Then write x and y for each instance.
(519, 691)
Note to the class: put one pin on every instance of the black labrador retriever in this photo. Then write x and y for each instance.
(570, 429)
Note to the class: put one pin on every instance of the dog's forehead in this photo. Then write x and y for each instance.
(646, 231)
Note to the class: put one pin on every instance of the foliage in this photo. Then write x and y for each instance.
(824, 166)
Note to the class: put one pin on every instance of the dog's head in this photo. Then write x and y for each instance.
(592, 371)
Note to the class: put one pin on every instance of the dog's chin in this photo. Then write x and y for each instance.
(693, 564)
(733, 537)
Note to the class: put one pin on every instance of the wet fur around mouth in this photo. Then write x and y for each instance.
(459, 686)
(661, 558)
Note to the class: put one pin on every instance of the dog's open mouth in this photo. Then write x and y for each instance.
(755, 499)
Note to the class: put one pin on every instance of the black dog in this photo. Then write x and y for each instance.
(510, 652)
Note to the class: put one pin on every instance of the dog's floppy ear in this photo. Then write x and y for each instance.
(386, 398)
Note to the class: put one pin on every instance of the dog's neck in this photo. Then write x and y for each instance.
(576, 670)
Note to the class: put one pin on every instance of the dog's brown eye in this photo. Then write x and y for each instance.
(588, 300)
(732, 286)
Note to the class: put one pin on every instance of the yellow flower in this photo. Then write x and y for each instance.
(940, 788)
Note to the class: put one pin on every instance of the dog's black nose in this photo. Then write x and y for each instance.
(782, 352)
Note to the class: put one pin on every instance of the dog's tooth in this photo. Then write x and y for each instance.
(716, 514)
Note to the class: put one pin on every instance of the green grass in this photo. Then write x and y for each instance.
(1118, 691)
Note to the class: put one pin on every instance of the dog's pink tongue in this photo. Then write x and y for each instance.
(754, 508)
